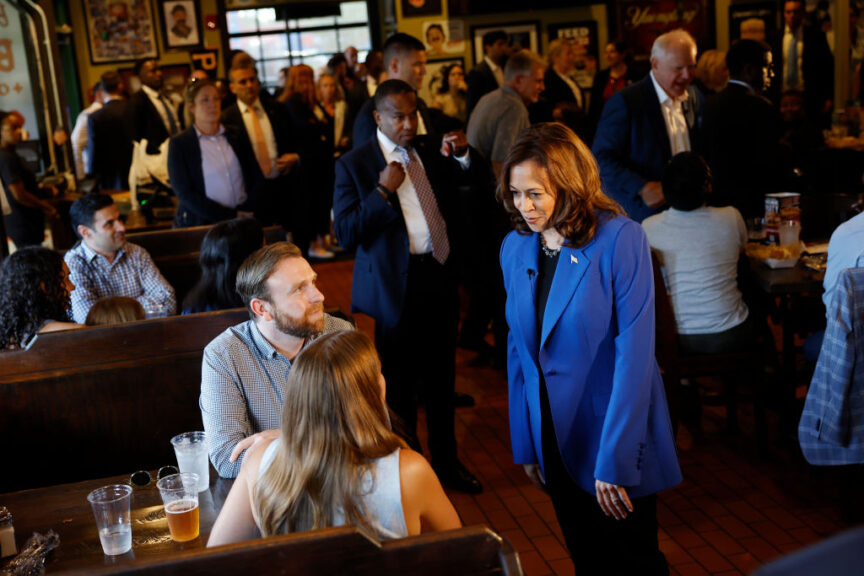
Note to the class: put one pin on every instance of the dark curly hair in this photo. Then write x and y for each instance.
(32, 291)
(445, 77)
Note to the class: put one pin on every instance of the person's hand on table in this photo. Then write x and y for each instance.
(250, 441)
(613, 500)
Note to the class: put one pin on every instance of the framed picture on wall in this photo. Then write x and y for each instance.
(435, 75)
(180, 21)
(640, 22)
(120, 30)
(757, 20)
(521, 34)
(583, 37)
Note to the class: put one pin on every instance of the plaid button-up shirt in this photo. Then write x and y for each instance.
(132, 274)
(242, 388)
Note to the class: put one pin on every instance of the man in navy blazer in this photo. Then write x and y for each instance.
(488, 75)
(109, 146)
(146, 120)
(395, 203)
(648, 122)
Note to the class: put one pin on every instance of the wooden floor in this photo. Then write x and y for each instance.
(733, 512)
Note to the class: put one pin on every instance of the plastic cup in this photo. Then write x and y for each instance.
(111, 510)
(755, 229)
(789, 232)
(155, 311)
(180, 496)
(192, 456)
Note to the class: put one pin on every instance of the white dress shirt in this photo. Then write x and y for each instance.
(673, 116)
(79, 140)
(788, 38)
(266, 128)
(153, 95)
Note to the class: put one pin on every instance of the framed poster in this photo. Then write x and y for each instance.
(120, 30)
(757, 21)
(640, 22)
(434, 76)
(521, 35)
(443, 38)
(412, 8)
(583, 37)
(180, 21)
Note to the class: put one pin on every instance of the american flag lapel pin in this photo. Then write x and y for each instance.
(573, 259)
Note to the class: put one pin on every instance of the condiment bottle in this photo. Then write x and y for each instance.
(7, 534)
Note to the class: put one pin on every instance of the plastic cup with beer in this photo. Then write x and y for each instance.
(180, 497)
(111, 509)
(192, 456)
(789, 232)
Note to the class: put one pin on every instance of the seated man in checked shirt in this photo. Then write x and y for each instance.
(103, 264)
(245, 368)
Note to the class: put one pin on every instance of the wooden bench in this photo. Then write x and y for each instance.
(175, 252)
(468, 551)
(102, 401)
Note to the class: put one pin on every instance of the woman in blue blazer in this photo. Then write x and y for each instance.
(588, 414)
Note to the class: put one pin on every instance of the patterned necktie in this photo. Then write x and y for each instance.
(172, 122)
(792, 62)
(259, 143)
(428, 204)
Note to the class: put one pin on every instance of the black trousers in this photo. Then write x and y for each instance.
(418, 357)
(599, 544)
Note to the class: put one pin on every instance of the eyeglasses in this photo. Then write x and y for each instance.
(143, 478)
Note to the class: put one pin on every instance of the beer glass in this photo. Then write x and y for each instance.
(180, 497)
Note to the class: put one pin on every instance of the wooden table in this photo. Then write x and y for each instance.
(65, 510)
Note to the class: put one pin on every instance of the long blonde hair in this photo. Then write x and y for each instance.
(334, 424)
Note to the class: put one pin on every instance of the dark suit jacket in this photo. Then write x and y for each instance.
(741, 138)
(817, 66)
(232, 118)
(364, 221)
(632, 146)
(187, 179)
(109, 145)
(146, 122)
(481, 80)
(365, 126)
(558, 103)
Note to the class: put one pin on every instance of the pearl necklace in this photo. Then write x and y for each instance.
(546, 250)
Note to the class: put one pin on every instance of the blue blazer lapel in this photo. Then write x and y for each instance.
(525, 295)
(572, 264)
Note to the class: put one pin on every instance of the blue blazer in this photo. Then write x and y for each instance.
(596, 352)
(831, 431)
(632, 145)
(364, 221)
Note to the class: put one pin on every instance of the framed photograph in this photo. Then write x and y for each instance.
(640, 22)
(756, 21)
(413, 8)
(443, 38)
(521, 34)
(434, 75)
(120, 30)
(180, 21)
(583, 37)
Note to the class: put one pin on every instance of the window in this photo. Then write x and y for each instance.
(276, 40)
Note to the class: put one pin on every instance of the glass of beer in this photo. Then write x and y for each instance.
(180, 497)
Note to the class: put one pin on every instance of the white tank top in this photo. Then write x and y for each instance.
(381, 493)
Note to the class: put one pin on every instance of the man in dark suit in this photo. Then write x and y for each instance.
(395, 203)
(404, 59)
(804, 63)
(742, 132)
(647, 123)
(488, 75)
(562, 98)
(109, 147)
(151, 114)
(264, 126)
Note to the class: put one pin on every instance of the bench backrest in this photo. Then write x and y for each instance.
(98, 402)
(468, 551)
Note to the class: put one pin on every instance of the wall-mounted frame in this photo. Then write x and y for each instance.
(432, 81)
(120, 30)
(583, 36)
(524, 34)
(757, 20)
(181, 24)
(640, 22)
